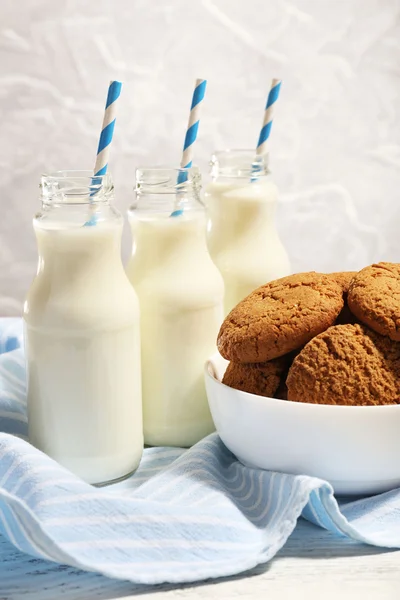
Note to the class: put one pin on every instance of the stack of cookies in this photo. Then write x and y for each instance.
(318, 338)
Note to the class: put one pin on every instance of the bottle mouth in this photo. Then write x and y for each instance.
(167, 180)
(166, 191)
(75, 187)
(239, 164)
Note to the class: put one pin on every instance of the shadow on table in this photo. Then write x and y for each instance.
(23, 577)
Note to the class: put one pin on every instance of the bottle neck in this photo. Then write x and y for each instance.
(239, 166)
(241, 192)
(80, 246)
(79, 260)
(177, 241)
(163, 192)
(71, 199)
(241, 207)
(165, 206)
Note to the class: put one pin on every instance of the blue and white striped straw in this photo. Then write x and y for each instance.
(268, 114)
(191, 135)
(193, 124)
(107, 129)
(106, 136)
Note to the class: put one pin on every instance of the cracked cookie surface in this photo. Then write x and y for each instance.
(346, 365)
(374, 298)
(279, 317)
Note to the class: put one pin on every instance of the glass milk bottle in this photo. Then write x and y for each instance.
(181, 302)
(241, 234)
(82, 334)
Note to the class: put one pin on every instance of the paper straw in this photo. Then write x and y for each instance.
(193, 124)
(106, 136)
(107, 129)
(191, 133)
(268, 113)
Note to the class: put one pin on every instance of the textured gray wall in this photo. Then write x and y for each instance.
(336, 136)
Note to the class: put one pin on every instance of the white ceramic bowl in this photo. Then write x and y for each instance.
(355, 448)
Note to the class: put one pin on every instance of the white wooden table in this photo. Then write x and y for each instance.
(313, 565)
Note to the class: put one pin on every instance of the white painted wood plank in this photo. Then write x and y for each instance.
(312, 565)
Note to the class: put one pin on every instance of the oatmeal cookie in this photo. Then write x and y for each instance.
(279, 317)
(262, 379)
(374, 298)
(346, 365)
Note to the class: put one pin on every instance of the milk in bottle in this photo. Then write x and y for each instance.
(82, 334)
(180, 294)
(241, 234)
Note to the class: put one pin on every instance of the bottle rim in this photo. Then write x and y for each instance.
(167, 180)
(237, 163)
(75, 187)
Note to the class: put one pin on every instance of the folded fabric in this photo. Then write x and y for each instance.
(185, 515)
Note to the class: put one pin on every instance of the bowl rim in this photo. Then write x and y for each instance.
(290, 403)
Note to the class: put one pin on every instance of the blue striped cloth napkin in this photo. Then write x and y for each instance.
(185, 515)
